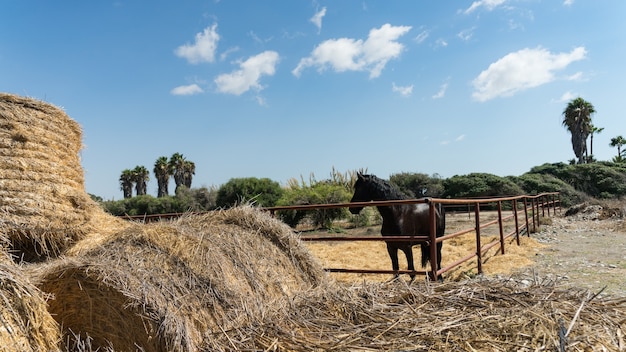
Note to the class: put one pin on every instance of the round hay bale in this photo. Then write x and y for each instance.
(176, 286)
(43, 204)
(25, 324)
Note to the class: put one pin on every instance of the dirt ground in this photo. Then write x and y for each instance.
(585, 250)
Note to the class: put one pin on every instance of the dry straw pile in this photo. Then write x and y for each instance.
(479, 315)
(43, 204)
(25, 324)
(177, 286)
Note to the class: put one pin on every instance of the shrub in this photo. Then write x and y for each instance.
(479, 185)
(260, 191)
(324, 192)
(417, 185)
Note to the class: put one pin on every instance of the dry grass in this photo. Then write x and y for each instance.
(373, 255)
(25, 324)
(476, 315)
(172, 286)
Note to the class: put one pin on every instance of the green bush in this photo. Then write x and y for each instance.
(479, 185)
(417, 185)
(195, 199)
(542, 183)
(598, 180)
(260, 191)
(317, 193)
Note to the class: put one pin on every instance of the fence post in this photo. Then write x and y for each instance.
(533, 201)
(501, 229)
(479, 254)
(516, 221)
(433, 241)
(526, 215)
(538, 215)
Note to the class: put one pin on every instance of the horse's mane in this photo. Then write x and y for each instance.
(382, 188)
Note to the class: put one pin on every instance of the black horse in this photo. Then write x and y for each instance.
(400, 219)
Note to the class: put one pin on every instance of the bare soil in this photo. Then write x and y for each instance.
(586, 250)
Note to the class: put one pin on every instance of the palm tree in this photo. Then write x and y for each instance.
(162, 172)
(577, 120)
(177, 168)
(189, 170)
(141, 175)
(594, 130)
(618, 142)
(126, 183)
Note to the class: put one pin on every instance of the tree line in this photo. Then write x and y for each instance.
(582, 179)
(177, 166)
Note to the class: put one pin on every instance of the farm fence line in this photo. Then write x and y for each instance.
(525, 217)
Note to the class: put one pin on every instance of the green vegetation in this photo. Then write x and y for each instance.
(260, 191)
(335, 190)
(581, 180)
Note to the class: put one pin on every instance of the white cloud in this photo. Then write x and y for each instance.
(203, 49)
(317, 18)
(488, 4)
(521, 70)
(578, 76)
(187, 90)
(566, 97)
(466, 34)
(346, 54)
(421, 37)
(404, 91)
(442, 91)
(441, 43)
(568, 2)
(227, 52)
(249, 74)
(456, 140)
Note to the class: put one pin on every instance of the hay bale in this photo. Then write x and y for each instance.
(25, 324)
(176, 286)
(43, 204)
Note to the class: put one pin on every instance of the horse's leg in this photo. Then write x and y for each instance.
(392, 249)
(408, 253)
(439, 245)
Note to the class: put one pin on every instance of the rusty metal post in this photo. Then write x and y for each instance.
(543, 206)
(433, 241)
(501, 228)
(516, 221)
(532, 207)
(538, 215)
(526, 215)
(479, 254)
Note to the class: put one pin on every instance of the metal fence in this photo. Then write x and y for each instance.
(525, 215)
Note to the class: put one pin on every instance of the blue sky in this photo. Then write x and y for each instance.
(286, 88)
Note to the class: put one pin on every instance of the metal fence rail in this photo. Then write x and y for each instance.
(526, 212)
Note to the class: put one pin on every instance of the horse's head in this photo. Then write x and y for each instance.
(362, 192)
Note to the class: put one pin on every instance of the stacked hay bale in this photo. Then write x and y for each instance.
(25, 323)
(43, 204)
(176, 286)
